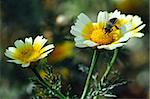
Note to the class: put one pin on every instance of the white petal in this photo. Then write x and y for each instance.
(28, 40)
(129, 35)
(115, 14)
(80, 45)
(111, 46)
(102, 17)
(39, 42)
(19, 43)
(82, 21)
(90, 43)
(136, 21)
(9, 54)
(84, 18)
(140, 28)
(125, 37)
(130, 28)
(44, 41)
(79, 39)
(129, 17)
(75, 33)
(126, 27)
(133, 23)
(78, 23)
(138, 35)
(77, 27)
(123, 29)
(12, 49)
(79, 42)
(48, 47)
(25, 65)
(15, 61)
(45, 54)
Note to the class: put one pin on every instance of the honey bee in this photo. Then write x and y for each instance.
(110, 24)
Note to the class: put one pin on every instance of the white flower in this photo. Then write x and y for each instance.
(26, 52)
(89, 34)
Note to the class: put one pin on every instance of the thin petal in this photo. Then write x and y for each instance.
(79, 42)
(138, 35)
(79, 23)
(84, 18)
(75, 32)
(102, 17)
(79, 39)
(115, 14)
(39, 42)
(25, 65)
(82, 21)
(139, 28)
(125, 37)
(133, 23)
(48, 47)
(126, 27)
(19, 43)
(80, 45)
(45, 54)
(136, 21)
(90, 43)
(15, 61)
(12, 49)
(9, 54)
(28, 40)
(111, 46)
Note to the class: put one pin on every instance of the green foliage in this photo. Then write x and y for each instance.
(52, 79)
(83, 68)
(106, 89)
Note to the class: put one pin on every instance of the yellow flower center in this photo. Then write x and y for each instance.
(98, 35)
(27, 54)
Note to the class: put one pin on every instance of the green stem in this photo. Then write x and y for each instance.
(94, 59)
(109, 66)
(45, 84)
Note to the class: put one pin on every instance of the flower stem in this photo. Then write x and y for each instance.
(45, 84)
(109, 66)
(94, 59)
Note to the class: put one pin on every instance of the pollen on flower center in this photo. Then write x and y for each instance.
(100, 37)
(28, 54)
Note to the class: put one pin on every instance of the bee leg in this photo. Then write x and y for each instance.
(116, 27)
(111, 30)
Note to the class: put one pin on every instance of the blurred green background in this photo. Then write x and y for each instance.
(53, 19)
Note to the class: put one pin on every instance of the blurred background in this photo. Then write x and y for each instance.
(53, 18)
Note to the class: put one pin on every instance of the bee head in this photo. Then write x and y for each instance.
(113, 20)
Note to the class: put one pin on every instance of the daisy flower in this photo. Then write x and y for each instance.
(111, 30)
(26, 52)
